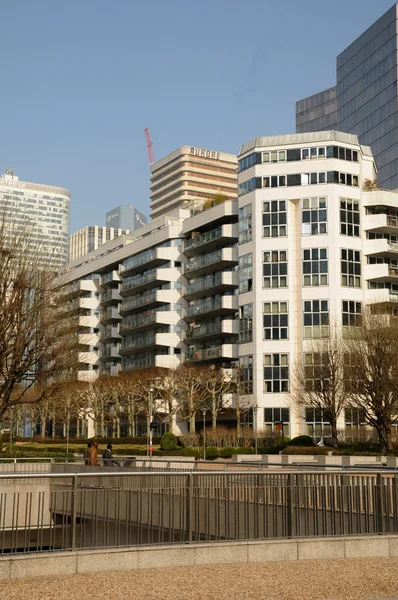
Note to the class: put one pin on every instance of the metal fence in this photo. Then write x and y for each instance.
(43, 512)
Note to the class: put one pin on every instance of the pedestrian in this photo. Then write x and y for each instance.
(107, 457)
(93, 455)
(87, 453)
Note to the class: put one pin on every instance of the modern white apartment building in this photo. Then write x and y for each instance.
(189, 176)
(90, 238)
(44, 208)
(313, 253)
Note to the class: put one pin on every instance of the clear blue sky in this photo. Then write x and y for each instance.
(81, 79)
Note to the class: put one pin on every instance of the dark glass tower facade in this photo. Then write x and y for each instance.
(366, 96)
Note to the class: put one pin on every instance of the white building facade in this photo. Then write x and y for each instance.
(90, 238)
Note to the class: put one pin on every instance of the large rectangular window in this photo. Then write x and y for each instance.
(246, 374)
(316, 423)
(354, 419)
(276, 373)
(350, 268)
(246, 323)
(276, 419)
(275, 218)
(275, 321)
(245, 224)
(349, 217)
(247, 186)
(314, 216)
(275, 269)
(351, 313)
(315, 266)
(245, 273)
(316, 319)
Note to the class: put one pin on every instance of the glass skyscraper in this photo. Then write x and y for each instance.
(366, 101)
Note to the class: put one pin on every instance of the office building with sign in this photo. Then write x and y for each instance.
(90, 238)
(45, 210)
(364, 101)
(190, 177)
(126, 218)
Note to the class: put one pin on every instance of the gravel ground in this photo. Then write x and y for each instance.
(355, 579)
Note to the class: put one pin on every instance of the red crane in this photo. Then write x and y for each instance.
(149, 146)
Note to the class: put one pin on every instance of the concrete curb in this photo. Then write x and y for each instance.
(150, 557)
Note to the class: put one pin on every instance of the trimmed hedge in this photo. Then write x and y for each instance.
(303, 450)
(169, 442)
(302, 440)
(272, 449)
(211, 453)
(192, 452)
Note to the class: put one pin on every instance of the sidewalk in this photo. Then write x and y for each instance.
(350, 579)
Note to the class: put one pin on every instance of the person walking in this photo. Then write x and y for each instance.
(93, 455)
(107, 457)
(87, 453)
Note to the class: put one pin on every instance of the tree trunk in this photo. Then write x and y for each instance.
(214, 413)
(192, 422)
(171, 418)
(389, 446)
(238, 415)
(333, 428)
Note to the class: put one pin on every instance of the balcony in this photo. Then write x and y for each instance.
(212, 307)
(383, 296)
(213, 329)
(136, 343)
(380, 247)
(110, 297)
(223, 258)
(112, 278)
(380, 198)
(225, 351)
(110, 353)
(110, 315)
(149, 300)
(382, 272)
(148, 280)
(226, 212)
(150, 359)
(210, 240)
(88, 339)
(77, 288)
(381, 223)
(148, 320)
(110, 334)
(89, 321)
(88, 358)
(212, 284)
(149, 259)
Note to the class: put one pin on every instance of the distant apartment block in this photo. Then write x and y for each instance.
(90, 238)
(364, 101)
(189, 176)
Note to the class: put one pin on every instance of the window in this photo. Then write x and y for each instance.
(246, 323)
(317, 371)
(245, 273)
(275, 321)
(350, 268)
(349, 217)
(314, 216)
(352, 313)
(245, 224)
(275, 218)
(274, 156)
(276, 373)
(246, 374)
(316, 424)
(275, 269)
(247, 186)
(354, 419)
(276, 417)
(249, 161)
(315, 267)
(316, 319)
(274, 181)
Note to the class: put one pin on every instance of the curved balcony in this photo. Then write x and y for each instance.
(383, 296)
(212, 284)
(146, 281)
(212, 307)
(208, 241)
(380, 247)
(382, 272)
(381, 223)
(224, 258)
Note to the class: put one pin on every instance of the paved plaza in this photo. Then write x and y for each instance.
(350, 579)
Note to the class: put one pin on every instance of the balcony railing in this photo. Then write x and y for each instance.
(204, 238)
(139, 259)
(200, 307)
(140, 320)
(139, 280)
(204, 353)
(138, 341)
(203, 261)
(392, 221)
(204, 283)
(204, 329)
(139, 300)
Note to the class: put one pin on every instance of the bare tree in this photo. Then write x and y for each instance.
(37, 350)
(318, 379)
(191, 393)
(240, 405)
(216, 383)
(371, 373)
(167, 394)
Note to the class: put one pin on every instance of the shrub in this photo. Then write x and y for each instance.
(245, 450)
(174, 452)
(273, 449)
(302, 440)
(190, 440)
(305, 450)
(191, 452)
(169, 442)
(227, 452)
(211, 453)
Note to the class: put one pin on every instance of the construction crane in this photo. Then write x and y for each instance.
(149, 146)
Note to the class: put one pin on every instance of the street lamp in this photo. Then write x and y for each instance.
(204, 435)
(255, 410)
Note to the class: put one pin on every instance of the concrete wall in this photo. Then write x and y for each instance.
(199, 554)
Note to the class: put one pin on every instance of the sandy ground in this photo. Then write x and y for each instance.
(355, 579)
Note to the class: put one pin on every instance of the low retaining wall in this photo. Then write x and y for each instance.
(145, 557)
